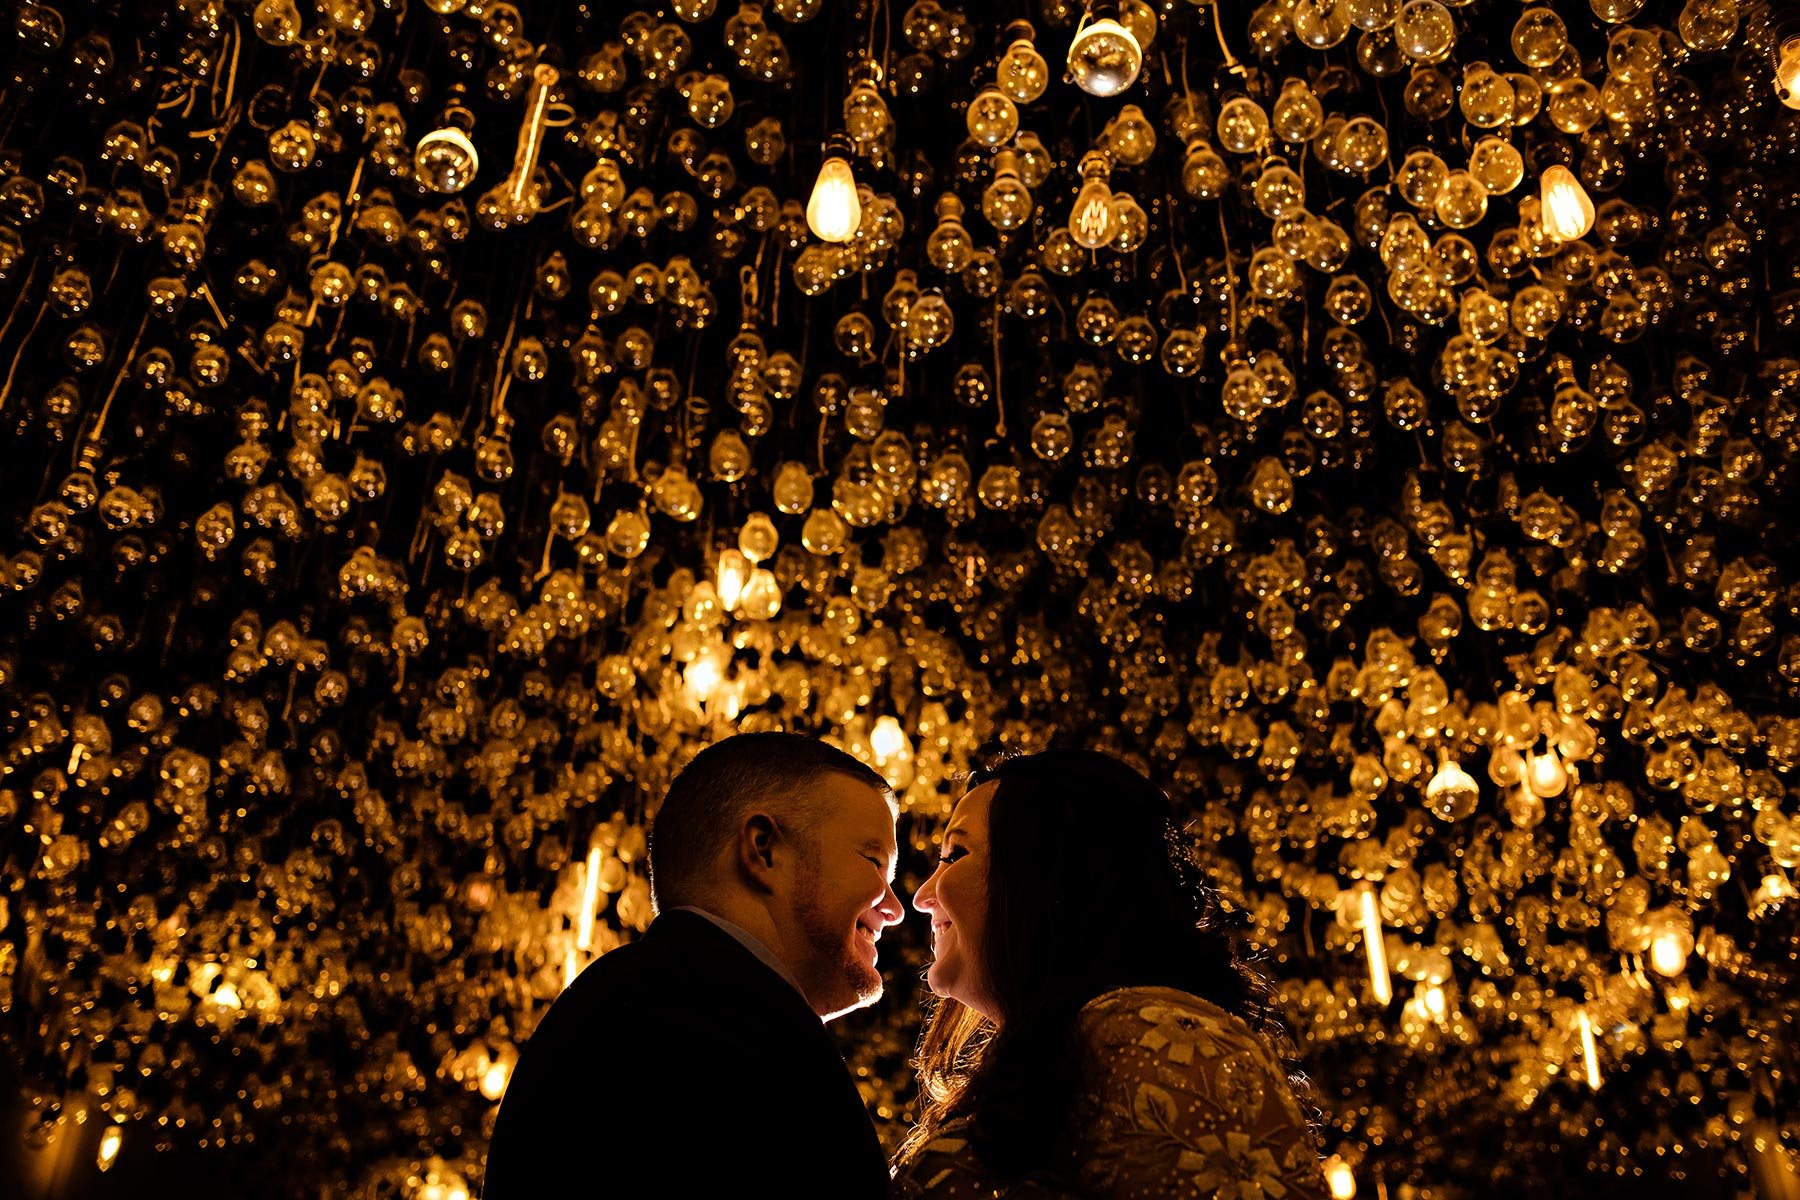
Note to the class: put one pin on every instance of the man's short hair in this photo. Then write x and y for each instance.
(710, 797)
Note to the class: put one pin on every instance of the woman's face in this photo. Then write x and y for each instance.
(955, 898)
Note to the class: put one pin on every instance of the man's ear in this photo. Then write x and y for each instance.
(756, 850)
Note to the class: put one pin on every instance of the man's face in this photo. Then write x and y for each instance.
(844, 897)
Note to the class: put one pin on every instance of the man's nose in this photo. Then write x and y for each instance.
(890, 907)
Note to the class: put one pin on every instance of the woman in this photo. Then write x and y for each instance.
(1094, 1035)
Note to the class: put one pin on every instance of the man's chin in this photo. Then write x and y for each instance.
(862, 987)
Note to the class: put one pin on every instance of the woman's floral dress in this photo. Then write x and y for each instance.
(1181, 1099)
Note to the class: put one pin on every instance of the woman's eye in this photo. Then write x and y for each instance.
(950, 856)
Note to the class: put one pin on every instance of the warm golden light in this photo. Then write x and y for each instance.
(1340, 1178)
(1568, 211)
(834, 211)
(1590, 1054)
(110, 1138)
(1668, 954)
(1787, 73)
(702, 678)
(887, 741)
(1545, 774)
(1092, 220)
(1104, 59)
(590, 894)
(494, 1080)
(1434, 1002)
(1369, 918)
(734, 574)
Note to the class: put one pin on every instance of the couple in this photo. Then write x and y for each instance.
(1093, 1036)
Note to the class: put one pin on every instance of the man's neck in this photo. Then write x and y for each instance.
(752, 922)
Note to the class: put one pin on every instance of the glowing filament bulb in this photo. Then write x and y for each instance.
(493, 1080)
(571, 966)
(590, 893)
(1545, 774)
(1105, 57)
(734, 575)
(1370, 920)
(887, 740)
(1432, 1000)
(834, 211)
(1787, 73)
(1590, 1054)
(109, 1147)
(1568, 211)
(1093, 221)
(1668, 954)
(703, 678)
(1339, 1178)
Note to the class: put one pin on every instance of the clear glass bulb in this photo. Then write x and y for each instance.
(1787, 73)
(834, 212)
(1104, 58)
(1092, 221)
(1568, 211)
(445, 160)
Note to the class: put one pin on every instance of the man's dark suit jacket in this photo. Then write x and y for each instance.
(683, 1066)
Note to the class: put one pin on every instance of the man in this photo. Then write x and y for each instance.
(694, 1062)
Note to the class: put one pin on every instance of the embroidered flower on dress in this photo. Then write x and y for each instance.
(1231, 1168)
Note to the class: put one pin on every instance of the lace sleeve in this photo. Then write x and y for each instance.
(1189, 1101)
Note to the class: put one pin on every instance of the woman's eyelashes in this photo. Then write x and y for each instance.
(951, 855)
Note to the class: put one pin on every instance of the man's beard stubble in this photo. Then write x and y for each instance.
(836, 976)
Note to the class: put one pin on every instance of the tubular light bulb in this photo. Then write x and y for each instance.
(834, 212)
(1568, 211)
(1340, 1178)
(734, 575)
(1370, 920)
(110, 1138)
(1590, 1055)
(590, 893)
(571, 966)
(1787, 73)
(1093, 221)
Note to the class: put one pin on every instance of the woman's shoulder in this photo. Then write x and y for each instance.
(1176, 1025)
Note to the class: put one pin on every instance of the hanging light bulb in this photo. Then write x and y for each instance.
(1093, 221)
(493, 1080)
(1667, 957)
(1787, 73)
(1022, 74)
(1590, 1054)
(110, 1138)
(445, 159)
(734, 574)
(834, 211)
(1545, 773)
(1369, 918)
(887, 741)
(1452, 792)
(1339, 1178)
(590, 894)
(1105, 57)
(1568, 211)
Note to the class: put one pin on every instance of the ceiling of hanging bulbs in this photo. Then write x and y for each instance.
(431, 423)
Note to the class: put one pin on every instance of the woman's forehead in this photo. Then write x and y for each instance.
(972, 810)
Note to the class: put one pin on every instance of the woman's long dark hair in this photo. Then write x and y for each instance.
(1091, 888)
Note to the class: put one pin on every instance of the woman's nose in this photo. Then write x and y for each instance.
(925, 899)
